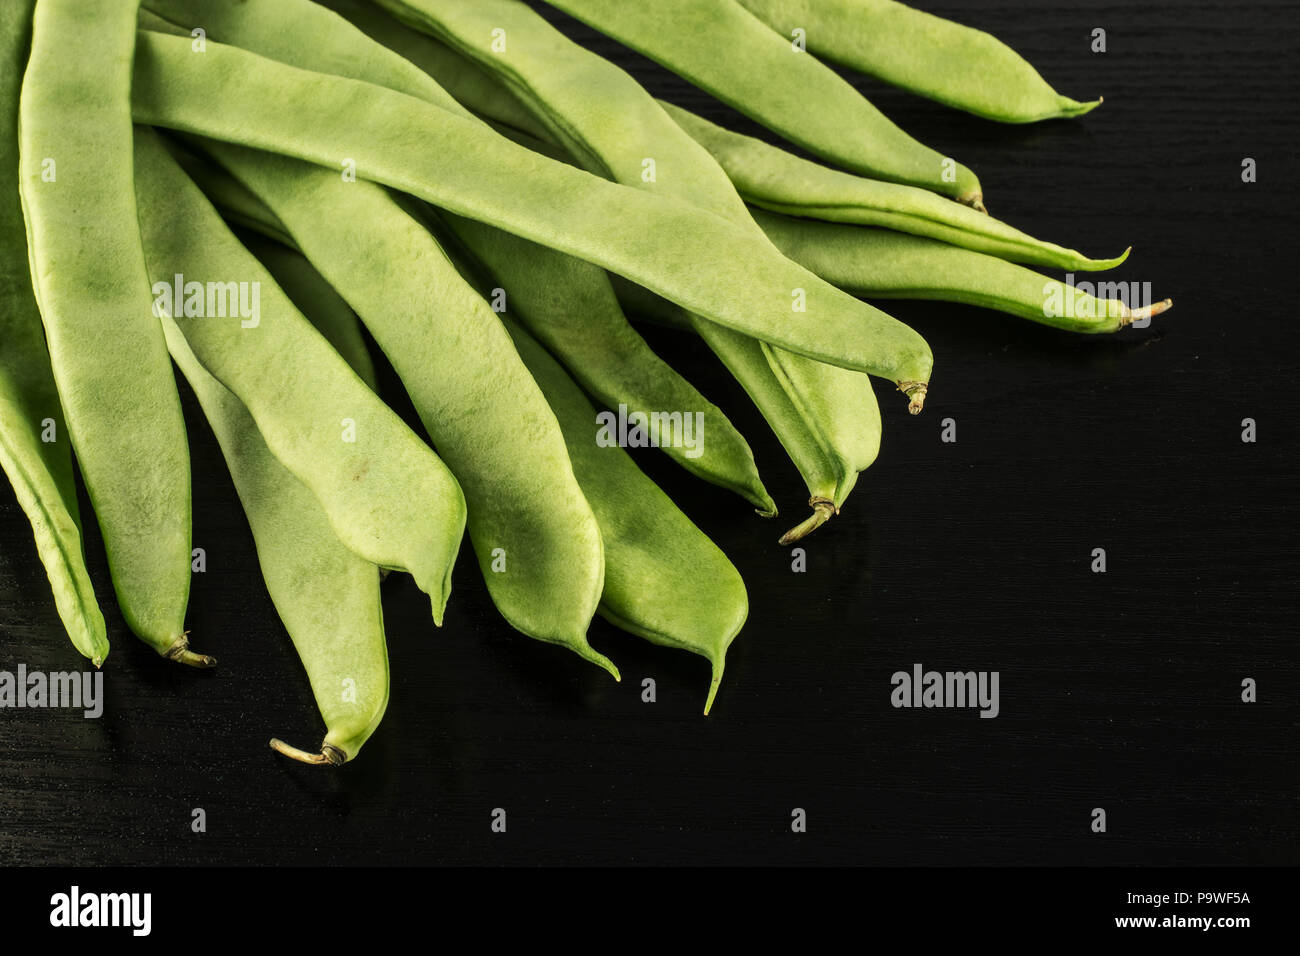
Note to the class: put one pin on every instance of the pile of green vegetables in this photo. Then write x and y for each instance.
(491, 201)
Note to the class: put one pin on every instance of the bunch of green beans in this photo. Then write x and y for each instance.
(254, 194)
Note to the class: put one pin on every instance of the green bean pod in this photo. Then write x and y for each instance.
(826, 418)
(388, 497)
(459, 164)
(535, 536)
(773, 179)
(34, 452)
(722, 48)
(893, 265)
(823, 415)
(665, 580)
(107, 350)
(945, 61)
(326, 595)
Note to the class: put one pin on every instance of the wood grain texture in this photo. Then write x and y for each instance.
(1118, 690)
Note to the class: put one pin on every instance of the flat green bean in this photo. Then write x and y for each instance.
(665, 581)
(106, 348)
(34, 452)
(461, 165)
(326, 595)
(773, 179)
(388, 497)
(722, 48)
(535, 536)
(937, 58)
(884, 264)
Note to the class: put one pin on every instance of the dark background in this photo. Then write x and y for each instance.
(1118, 690)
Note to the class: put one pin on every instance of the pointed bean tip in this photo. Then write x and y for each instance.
(714, 684)
(600, 660)
(1101, 265)
(1078, 261)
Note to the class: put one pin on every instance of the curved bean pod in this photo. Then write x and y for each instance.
(876, 262)
(937, 58)
(773, 179)
(88, 273)
(722, 48)
(459, 164)
(653, 549)
(388, 497)
(39, 471)
(486, 416)
(326, 595)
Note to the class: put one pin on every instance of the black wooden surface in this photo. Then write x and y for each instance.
(1118, 690)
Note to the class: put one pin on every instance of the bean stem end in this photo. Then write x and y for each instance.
(823, 510)
(915, 392)
(329, 754)
(181, 653)
(1146, 312)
